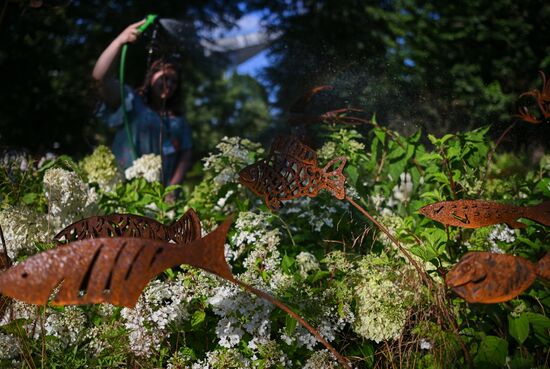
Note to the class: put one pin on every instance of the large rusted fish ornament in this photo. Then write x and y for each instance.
(480, 213)
(489, 278)
(5, 263)
(291, 171)
(113, 259)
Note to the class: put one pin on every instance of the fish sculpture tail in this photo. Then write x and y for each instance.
(334, 179)
(543, 267)
(539, 213)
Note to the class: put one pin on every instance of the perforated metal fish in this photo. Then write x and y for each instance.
(488, 278)
(117, 269)
(480, 213)
(291, 171)
(298, 115)
(105, 269)
(183, 231)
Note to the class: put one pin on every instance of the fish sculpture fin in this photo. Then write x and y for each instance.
(334, 179)
(539, 213)
(543, 267)
(515, 224)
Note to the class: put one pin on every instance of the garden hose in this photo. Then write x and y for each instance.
(150, 19)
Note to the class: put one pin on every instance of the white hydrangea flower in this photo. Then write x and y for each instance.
(66, 325)
(223, 358)
(23, 227)
(403, 191)
(69, 198)
(147, 166)
(307, 262)
(234, 153)
(9, 347)
(330, 320)
(381, 297)
(162, 303)
(101, 168)
(425, 344)
(240, 312)
(322, 359)
(503, 233)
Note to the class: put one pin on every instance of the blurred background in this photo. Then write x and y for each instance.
(434, 65)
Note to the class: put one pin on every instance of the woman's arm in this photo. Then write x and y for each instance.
(181, 168)
(109, 88)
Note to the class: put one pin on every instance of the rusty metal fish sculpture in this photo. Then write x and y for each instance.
(542, 99)
(109, 269)
(183, 231)
(291, 171)
(117, 269)
(489, 278)
(298, 115)
(481, 213)
(5, 263)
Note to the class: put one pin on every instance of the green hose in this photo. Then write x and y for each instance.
(148, 21)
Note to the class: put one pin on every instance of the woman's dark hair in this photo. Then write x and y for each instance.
(174, 103)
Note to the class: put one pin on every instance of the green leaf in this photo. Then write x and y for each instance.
(519, 327)
(492, 352)
(197, 318)
(29, 198)
(353, 174)
(538, 320)
(426, 252)
(290, 325)
(380, 134)
(320, 274)
(287, 263)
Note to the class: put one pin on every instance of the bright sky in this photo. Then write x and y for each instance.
(250, 23)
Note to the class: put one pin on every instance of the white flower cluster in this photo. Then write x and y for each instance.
(337, 260)
(147, 166)
(67, 325)
(23, 227)
(503, 233)
(251, 228)
(254, 232)
(328, 317)
(234, 154)
(322, 359)
(69, 198)
(240, 312)
(403, 191)
(344, 138)
(307, 262)
(162, 303)
(318, 213)
(223, 359)
(101, 168)
(382, 300)
(16, 160)
(8, 346)
(268, 354)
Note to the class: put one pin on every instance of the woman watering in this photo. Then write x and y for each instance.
(154, 116)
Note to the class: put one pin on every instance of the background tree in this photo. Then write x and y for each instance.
(47, 55)
(433, 64)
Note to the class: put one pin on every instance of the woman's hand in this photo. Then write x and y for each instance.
(109, 89)
(131, 33)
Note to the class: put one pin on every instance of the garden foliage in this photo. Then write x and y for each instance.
(319, 255)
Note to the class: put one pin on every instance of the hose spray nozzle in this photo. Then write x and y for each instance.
(150, 19)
